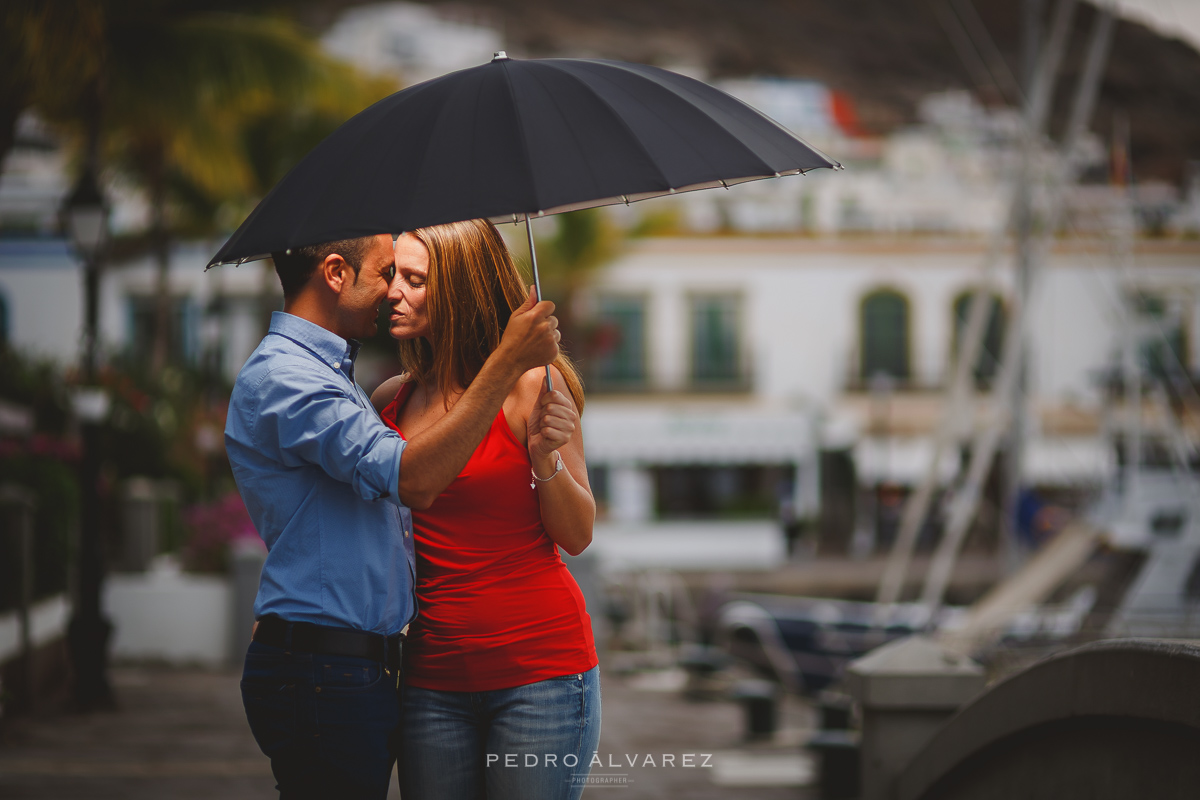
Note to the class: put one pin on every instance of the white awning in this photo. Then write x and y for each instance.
(1068, 461)
(900, 460)
(1061, 461)
(627, 432)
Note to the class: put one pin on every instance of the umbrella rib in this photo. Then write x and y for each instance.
(612, 113)
(716, 115)
(357, 134)
(524, 139)
(669, 124)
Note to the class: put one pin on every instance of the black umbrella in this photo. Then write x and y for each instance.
(513, 139)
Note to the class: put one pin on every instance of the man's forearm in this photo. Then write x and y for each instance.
(436, 456)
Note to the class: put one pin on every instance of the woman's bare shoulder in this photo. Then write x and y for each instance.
(386, 392)
(529, 386)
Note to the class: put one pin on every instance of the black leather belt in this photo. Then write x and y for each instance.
(309, 638)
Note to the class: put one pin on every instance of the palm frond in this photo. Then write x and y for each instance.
(231, 101)
(167, 73)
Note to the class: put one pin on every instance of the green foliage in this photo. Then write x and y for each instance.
(585, 240)
(36, 385)
(152, 431)
(154, 421)
(42, 60)
(44, 463)
(55, 489)
(235, 100)
(205, 104)
(659, 222)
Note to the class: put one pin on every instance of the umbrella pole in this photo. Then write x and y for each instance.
(537, 284)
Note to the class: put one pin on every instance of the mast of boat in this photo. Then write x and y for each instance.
(1013, 397)
(958, 403)
(1131, 373)
(985, 444)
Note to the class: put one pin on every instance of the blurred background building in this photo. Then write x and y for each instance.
(766, 366)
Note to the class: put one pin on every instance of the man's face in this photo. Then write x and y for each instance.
(406, 297)
(361, 297)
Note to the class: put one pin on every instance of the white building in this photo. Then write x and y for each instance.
(762, 351)
(720, 368)
(721, 365)
(413, 42)
(950, 174)
(216, 315)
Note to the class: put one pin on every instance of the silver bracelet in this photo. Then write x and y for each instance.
(558, 467)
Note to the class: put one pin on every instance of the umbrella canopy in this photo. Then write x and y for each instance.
(517, 138)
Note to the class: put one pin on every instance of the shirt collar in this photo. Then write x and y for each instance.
(335, 351)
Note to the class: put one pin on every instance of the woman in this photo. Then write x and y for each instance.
(502, 694)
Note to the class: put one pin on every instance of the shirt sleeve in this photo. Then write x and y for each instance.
(306, 417)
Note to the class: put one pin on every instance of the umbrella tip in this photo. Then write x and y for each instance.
(500, 55)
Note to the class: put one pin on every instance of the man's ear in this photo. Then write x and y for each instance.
(334, 271)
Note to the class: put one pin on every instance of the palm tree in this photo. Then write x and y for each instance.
(172, 89)
(182, 126)
(41, 58)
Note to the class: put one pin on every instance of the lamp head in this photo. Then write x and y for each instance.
(85, 216)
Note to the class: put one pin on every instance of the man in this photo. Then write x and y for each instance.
(329, 486)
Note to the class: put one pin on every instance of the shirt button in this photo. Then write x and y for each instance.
(406, 534)
(337, 365)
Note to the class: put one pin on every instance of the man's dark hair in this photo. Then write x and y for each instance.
(295, 266)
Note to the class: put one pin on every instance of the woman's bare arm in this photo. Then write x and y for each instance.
(435, 456)
(552, 425)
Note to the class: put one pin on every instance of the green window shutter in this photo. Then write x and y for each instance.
(885, 335)
(620, 349)
(715, 340)
(988, 364)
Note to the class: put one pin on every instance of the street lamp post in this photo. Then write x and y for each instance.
(85, 220)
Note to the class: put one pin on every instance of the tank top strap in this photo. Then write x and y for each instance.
(402, 395)
(391, 412)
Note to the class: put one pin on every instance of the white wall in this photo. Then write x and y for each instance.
(801, 301)
(47, 621)
(802, 296)
(43, 290)
(168, 615)
(42, 284)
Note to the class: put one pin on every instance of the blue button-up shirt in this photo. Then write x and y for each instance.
(318, 471)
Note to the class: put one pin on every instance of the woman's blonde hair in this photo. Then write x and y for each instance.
(472, 288)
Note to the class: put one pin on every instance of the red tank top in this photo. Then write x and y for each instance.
(497, 606)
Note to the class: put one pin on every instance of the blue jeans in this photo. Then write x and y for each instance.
(328, 723)
(532, 742)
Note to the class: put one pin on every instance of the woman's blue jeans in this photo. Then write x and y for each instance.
(328, 723)
(532, 742)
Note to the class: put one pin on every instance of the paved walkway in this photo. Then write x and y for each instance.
(177, 734)
(181, 734)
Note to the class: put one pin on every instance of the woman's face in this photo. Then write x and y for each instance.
(406, 295)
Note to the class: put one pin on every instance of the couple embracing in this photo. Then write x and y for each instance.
(413, 607)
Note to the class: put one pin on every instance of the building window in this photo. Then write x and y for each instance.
(181, 329)
(1164, 354)
(619, 344)
(722, 492)
(884, 336)
(987, 366)
(716, 344)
